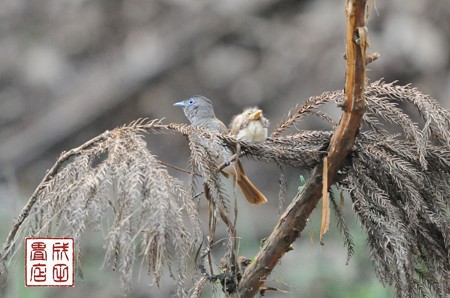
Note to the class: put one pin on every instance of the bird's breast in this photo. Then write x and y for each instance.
(254, 132)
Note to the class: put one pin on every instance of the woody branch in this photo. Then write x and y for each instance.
(293, 221)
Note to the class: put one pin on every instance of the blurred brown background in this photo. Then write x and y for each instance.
(70, 69)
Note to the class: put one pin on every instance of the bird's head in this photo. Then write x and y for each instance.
(252, 114)
(196, 108)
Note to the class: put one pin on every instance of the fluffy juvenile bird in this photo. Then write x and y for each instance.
(250, 126)
(200, 112)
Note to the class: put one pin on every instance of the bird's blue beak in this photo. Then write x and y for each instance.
(180, 104)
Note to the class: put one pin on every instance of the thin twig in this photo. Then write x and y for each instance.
(177, 168)
(212, 226)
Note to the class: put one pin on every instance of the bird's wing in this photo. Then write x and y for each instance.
(218, 125)
(236, 124)
(213, 124)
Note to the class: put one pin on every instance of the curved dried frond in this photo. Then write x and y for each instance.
(390, 111)
(204, 159)
(119, 176)
(342, 225)
(438, 119)
(308, 107)
(382, 101)
(371, 123)
(398, 184)
(302, 150)
(405, 209)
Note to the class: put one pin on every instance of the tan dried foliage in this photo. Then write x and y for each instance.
(399, 185)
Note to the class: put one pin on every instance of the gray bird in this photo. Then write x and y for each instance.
(200, 112)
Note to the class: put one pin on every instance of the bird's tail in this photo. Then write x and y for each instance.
(250, 192)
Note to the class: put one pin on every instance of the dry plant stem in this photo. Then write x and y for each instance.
(233, 236)
(212, 227)
(293, 221)
(168, 165)
(325, 202)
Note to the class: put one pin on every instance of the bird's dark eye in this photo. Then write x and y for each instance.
(191, 101)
